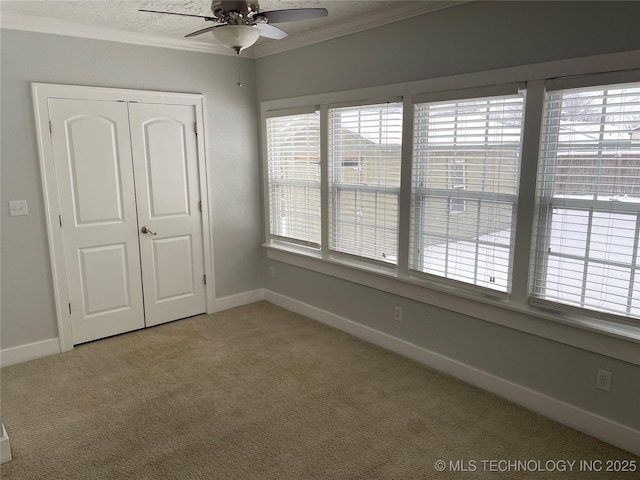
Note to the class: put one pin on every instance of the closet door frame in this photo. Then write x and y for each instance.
(42, 92)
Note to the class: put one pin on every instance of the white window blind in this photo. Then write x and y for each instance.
(466, 161)
(588, 197)
(293, 158)
(364, 180)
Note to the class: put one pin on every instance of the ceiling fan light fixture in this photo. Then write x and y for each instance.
(237, 37)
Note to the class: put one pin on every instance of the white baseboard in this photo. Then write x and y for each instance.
(5, 448)
(30, 351)
(599, 427)
(238, 300)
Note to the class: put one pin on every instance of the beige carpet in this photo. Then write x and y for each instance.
(258, 392)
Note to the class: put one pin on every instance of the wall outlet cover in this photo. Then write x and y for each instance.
(17, 208)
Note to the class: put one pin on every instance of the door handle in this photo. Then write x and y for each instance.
(145, 229)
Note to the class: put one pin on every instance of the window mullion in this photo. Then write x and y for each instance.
(324, 182)
(526, 203)
(404, 197)
(477, 244)
(634, 263)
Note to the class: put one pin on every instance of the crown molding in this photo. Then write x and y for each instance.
(60, 27)
(377, 18)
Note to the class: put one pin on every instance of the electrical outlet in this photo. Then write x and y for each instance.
(272, 272)
(603, 380)
(398, 314)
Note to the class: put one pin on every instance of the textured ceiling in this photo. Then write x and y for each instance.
(123, 15)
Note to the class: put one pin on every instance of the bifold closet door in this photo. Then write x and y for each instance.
(94, 172)
(165, 152)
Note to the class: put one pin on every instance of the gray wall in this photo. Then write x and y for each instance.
(469, 38)
(28, 313)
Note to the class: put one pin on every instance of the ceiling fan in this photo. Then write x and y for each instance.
(239, 24)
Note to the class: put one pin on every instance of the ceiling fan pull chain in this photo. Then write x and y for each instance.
(238, 63)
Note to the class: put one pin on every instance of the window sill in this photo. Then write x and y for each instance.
(615, 340)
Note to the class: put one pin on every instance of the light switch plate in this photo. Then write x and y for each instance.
(18, 207)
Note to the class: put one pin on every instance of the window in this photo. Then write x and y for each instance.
(293, 158)
(364, 180)
(588, 197)
(466, 159)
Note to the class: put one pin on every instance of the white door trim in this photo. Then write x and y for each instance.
(41, 93)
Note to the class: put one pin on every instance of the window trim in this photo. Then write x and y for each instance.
(616, 340)
(592, 80)
(286, 112)
(365, 103)
(470, 93)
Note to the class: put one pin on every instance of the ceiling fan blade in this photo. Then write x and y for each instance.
(214, 19)
(235, 6)
(269, 31)
(294, 14)
(204, 30)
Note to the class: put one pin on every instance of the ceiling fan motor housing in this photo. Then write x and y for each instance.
(235, 13)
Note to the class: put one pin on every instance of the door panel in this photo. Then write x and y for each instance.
(104, 279)
(173, 267)
(167, 166)
(164, 146)
(93, 163)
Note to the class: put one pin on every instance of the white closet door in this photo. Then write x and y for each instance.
(92, 156)
(164, 145)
